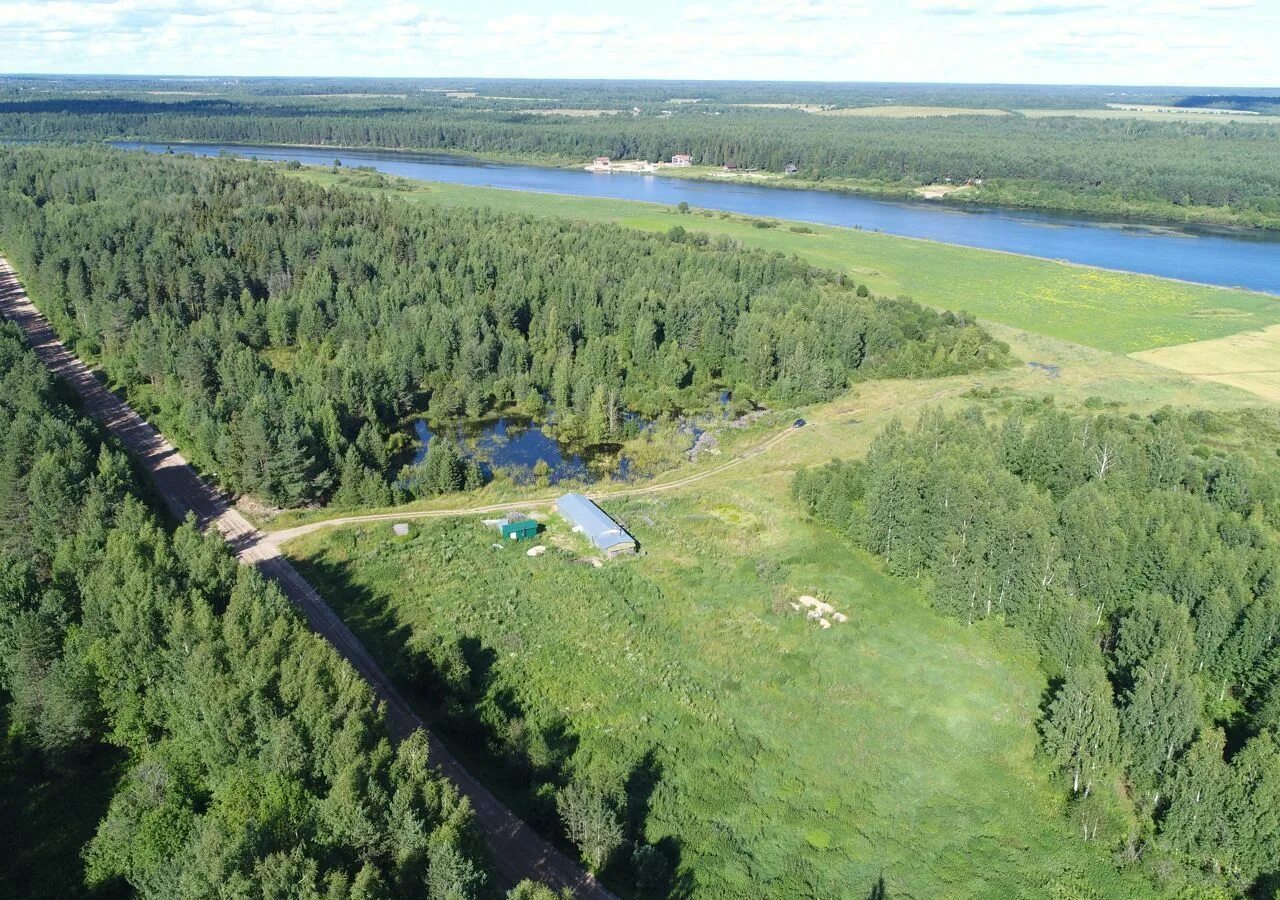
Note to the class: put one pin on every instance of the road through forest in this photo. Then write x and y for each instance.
(518, 852)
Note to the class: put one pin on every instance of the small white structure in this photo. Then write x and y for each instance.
(401, 529)
(682, 159)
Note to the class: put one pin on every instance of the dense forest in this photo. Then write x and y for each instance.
(617, 91)
(258, 762)
(1146, 569)
(280, 334)
(1201, 171)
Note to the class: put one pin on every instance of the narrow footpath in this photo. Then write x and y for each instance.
(518, 852)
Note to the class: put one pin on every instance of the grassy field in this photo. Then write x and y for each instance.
(1250, 360)
(1107, 310)
(888, 111)
(770, 757)
(912, 112)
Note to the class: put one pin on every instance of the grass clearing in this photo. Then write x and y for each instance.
(888, 111)
(1250, 361)
(779, 759)
(1115, 311)
(571, 113)
(911, 112)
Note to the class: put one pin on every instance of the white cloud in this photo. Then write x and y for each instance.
(945, 7)
(1101, 41)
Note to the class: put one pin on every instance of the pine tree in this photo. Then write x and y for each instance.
(292, 465)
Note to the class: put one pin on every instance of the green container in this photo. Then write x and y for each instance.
(520, 530)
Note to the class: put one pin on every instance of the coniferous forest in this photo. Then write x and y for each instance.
(280, 333)
(1222, 172)
(256, 762)
(1145, 568)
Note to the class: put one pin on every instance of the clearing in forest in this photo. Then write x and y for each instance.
(910, 112)
(767, 762)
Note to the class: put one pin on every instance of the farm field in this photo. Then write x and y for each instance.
(1250, 360)
(912, 112)
(788, 760)
(1152, 114)
(1114, 311)
(889, 111)
(1147, 112)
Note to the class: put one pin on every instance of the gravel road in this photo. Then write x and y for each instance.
(518, 852)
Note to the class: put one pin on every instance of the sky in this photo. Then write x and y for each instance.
(1130, 42)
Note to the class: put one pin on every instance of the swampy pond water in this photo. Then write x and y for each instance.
(514, 444)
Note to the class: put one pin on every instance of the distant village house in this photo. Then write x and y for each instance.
(682, 159)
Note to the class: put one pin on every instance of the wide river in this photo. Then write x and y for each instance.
(1211, 256)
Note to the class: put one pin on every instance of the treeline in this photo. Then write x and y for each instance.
(280, 334)
(1263, 104)
(1147, 571)
(1220, 171)
(591, 92)
(258, 761)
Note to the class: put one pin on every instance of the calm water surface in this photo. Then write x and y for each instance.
(515, 444)
(1210, 256)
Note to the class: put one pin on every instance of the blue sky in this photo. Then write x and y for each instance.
(1198, 42)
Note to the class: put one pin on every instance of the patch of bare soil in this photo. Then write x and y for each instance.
(938, 191)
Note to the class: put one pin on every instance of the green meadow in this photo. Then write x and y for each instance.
(1114, 311)
(764, 755)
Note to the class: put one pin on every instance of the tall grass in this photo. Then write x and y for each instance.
(765, 756)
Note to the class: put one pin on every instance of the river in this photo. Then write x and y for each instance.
(1224, 257)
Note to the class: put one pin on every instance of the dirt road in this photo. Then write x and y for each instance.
(518, 852)
(284, 535)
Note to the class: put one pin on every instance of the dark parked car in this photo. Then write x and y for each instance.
(798, 423)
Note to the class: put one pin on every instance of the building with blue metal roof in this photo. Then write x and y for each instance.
(593, 522)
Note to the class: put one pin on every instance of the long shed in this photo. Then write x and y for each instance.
(593, 522)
